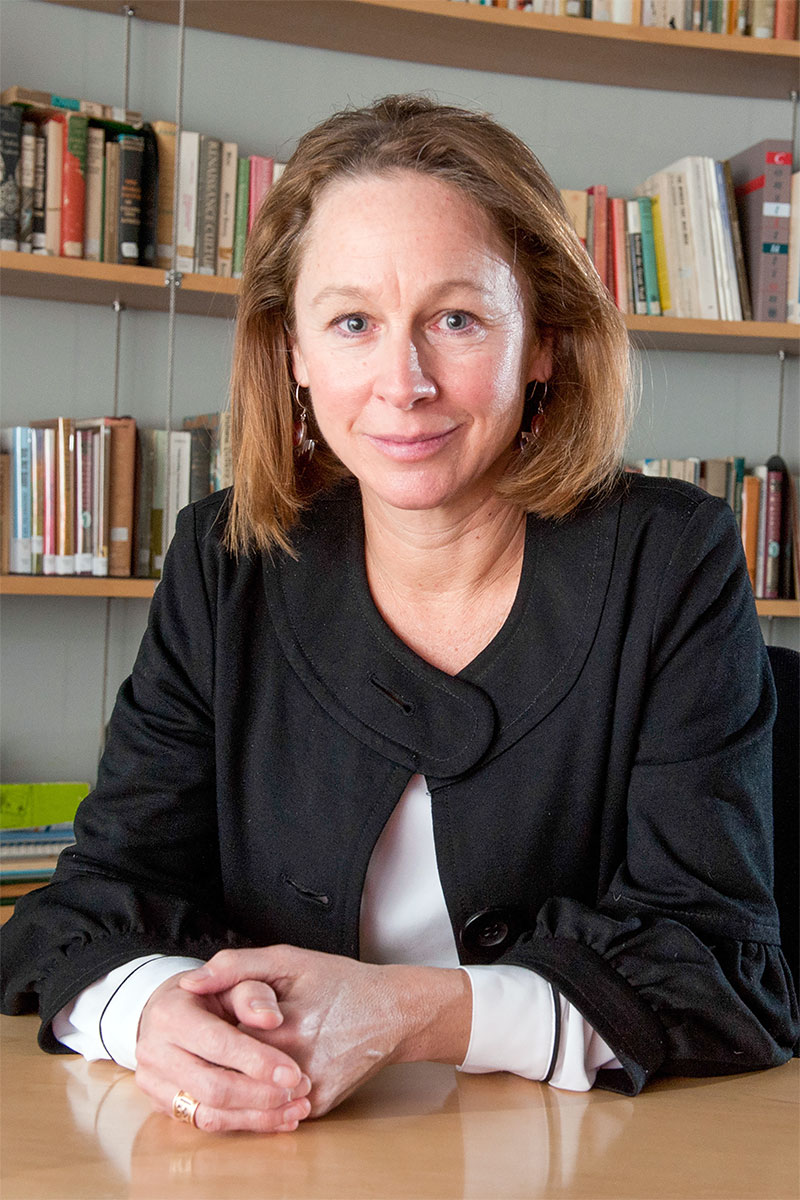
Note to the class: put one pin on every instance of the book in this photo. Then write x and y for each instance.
(618, 254)
(636, 257)
(772, 528)
(73, 185)
(64, 441)
(599, 248)
(208, 187)
(131, 155)
(576, 203)
(188, 165)
(38, 237)
(101, 498)
(261, 170)
(751, 499)
(728, 198)
(649, 256)
(164, 133)
(242, 222)
(148, 228)
(121, 494)
(50, 501)
(5, 511)
(761, 543)
(84, 506)
(90, 108)
(111, 202)
(793, 264)
(38, 490)
(95, 178)
(785, 25)
(27, 178)
(227, 209)
(10, 138)
(54, 133)
(762, 181)
(16, 442)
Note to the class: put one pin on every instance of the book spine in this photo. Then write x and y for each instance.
(16, 441)
(227, 209)
(179, 480)
(84, 470)
(772, 533)
(736, 240)
(27, 166)
(649, 256)
(636, 258)
(50, 505)
(208, 205)
(720, 266)
(158, 503)
(54, 132)
(10, 139)
(73, 186)
(785, 19)
(200, 470)
(131, 153)
(188, 167)
(144, 499)
(95, 170)
(148, 232)
(727, 222)
(121, 499)
(101, 448)
(242, 215)
(65, 498)
(619, 251)
(660, 249)
(40, 194)
(260, 183)
(762, 179)
(793, 265)
(751, 489)
(111, 202)
(165, 132)
(5, 511)
(37, 500)
(600, 231)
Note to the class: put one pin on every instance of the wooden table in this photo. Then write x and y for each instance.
(78, 1131)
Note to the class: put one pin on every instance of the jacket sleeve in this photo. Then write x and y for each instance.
(678, 968)
(144, 874)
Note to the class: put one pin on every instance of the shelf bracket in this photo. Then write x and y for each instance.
(173, 276)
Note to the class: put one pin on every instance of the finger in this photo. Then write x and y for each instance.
(252, 1003)
(213, 1086)
(207, 1035)
(229, 967)
(283, 1118)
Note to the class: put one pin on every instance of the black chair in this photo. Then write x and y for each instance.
(785, 665)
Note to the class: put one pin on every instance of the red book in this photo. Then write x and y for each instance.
(618, 254)
(786, 19)
(73, 185)
(772, 537)
(261, 169)
(599, 247)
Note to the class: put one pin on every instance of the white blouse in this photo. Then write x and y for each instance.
(404, 919)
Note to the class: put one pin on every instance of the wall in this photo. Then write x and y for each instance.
(59, 357)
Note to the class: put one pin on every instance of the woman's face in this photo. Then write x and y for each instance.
(412, 337)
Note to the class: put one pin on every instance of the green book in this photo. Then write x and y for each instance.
(242, 213)
(649, 256)
(35, 804)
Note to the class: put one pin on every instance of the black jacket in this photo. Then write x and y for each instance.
(600, 778)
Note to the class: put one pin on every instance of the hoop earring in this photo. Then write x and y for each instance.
(304, 446)
(527, 437)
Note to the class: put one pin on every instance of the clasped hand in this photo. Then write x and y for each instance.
(263, 1038)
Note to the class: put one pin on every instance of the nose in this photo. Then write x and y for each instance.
(401, 379)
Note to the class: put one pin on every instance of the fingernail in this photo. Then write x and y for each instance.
(284, 1077)
(198, 973)
(264, 1006)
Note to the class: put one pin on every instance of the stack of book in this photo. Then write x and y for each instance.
(748, 18)
(36, 824)
(765, 503)
(95, 182)
(701, 239)
(93, 498)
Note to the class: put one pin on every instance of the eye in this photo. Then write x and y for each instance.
(457, 321)
(353, 323)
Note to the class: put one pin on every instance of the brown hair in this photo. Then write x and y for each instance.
(578, 453)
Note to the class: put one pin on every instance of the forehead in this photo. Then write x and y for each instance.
(355, 220)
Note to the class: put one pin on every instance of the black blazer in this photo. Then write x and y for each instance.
(600, 777)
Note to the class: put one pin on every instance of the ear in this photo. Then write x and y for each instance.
(540, 359)
(299, 369)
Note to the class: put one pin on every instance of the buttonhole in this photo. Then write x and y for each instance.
(406, 705)
(307, 893)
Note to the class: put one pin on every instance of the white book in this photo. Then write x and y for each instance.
(227, 209)
(101, 498)
(721, 274)
(54, 134)
(188, 169)
(50, 503)
(16, 442)
(178, 482)
(694, 171)
(793, 296)
(726, 217)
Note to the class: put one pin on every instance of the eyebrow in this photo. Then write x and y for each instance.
(353, 292)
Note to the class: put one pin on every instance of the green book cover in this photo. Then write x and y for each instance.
(242, 212)
(649, 256)
(35, 804)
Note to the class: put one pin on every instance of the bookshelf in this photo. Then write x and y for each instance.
(498, 40)
(76, 281)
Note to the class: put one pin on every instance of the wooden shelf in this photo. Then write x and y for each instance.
(76, 585)
(73, 280)
(498, 40)
(41, 277)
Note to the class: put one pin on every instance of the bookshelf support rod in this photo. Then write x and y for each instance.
(129, 13)
(781, 379)
(119, 308)
(174, 275)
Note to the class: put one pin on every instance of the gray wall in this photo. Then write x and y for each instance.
(58, 358)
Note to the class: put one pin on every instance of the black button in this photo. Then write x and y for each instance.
(487, 933)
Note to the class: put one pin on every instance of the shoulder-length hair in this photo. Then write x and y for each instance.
(579, 451)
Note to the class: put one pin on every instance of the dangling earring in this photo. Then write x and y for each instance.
(528, 436)
(303, 444)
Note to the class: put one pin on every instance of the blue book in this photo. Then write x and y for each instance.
(649, 256)
(16, 442)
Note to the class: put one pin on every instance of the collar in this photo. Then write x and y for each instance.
(382, 693)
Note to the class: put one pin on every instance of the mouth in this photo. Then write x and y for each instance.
(413, 447)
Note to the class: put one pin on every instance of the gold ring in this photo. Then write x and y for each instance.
(184, 1107)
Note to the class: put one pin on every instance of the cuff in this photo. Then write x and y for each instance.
(119, 1021)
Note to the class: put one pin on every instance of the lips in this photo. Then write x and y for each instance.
(411, 447)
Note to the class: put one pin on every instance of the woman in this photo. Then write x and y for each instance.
(445, 740)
